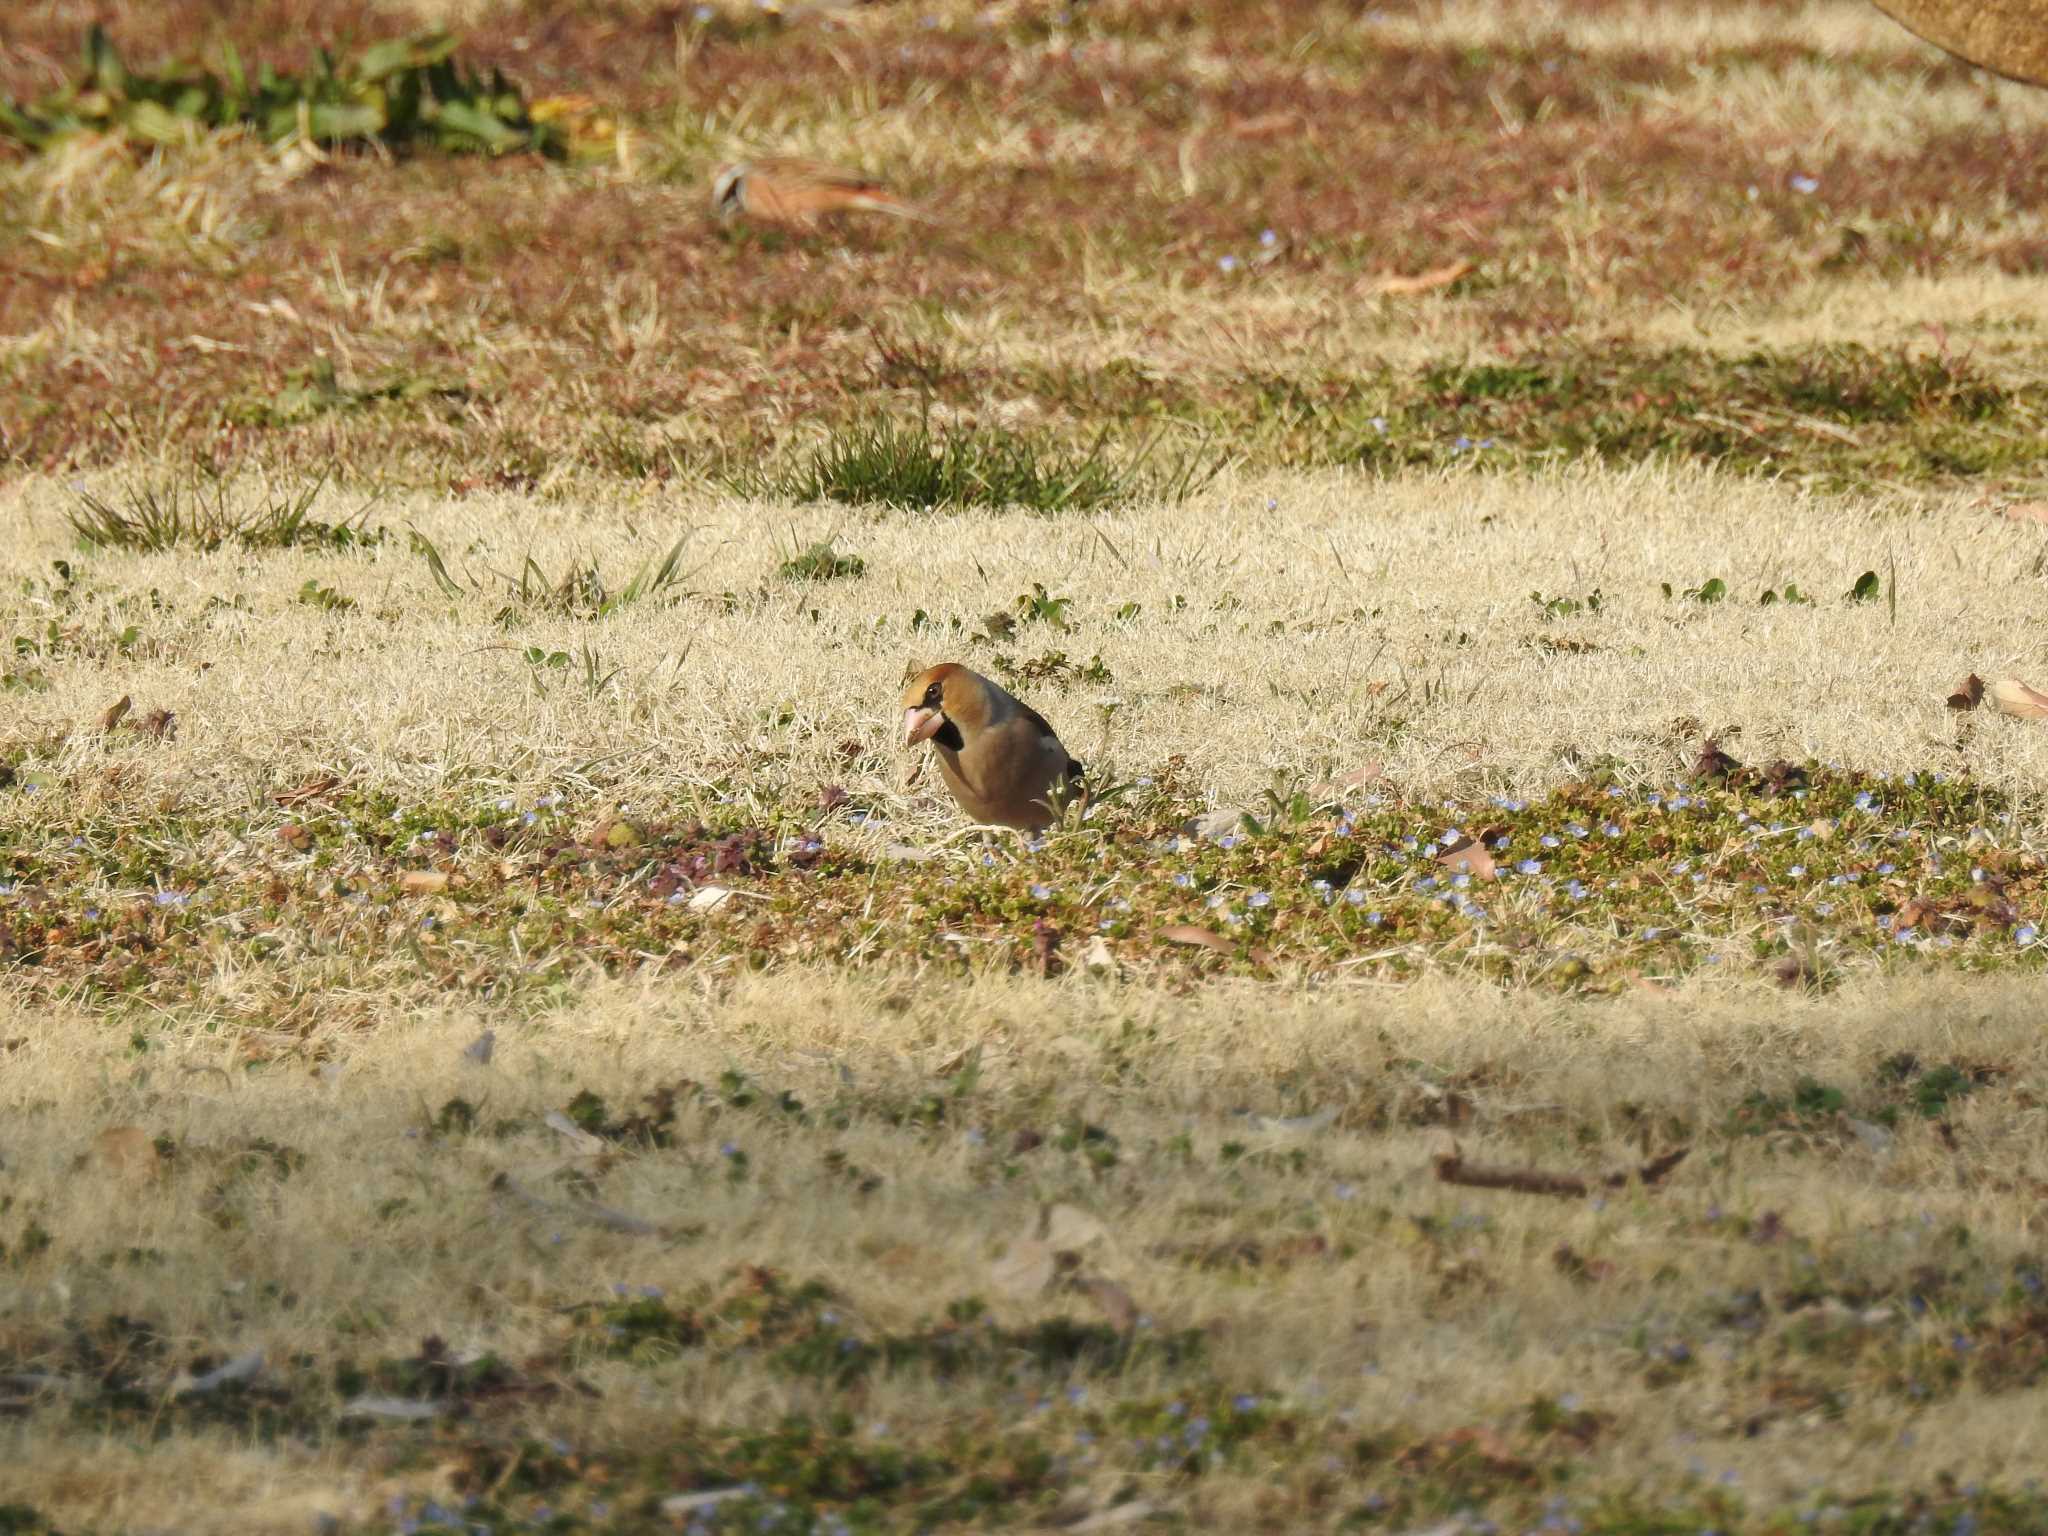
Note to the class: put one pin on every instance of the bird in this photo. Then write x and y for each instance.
(999, 757)
(798, 193)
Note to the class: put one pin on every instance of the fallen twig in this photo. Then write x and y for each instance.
(1452, 1168)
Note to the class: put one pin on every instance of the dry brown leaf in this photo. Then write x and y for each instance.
(1188, 933)
(115, 711)
(127, 1150)
(1468, 856)
(1267, 125)
(295, 837)
(2028, 512)
(1120, 1311)
(1421, 282)
(2010, 696)
(1967, 694)
(312, 789)
(423, 882)
(158, 724)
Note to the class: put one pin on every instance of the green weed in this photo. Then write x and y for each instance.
(152, 519)
(408, 92)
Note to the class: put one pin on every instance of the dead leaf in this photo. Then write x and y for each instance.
(1188, 933)
(1120, 1311)
(2027, 512)
(1068, 1229)
(1266, 125)
(1468, 856)
(573, 1133)
(1025, 1269)
(158, 724)
(423, 882)
(295, 837)
(1221, 822)
(1574, 1265)
(709, 898)
(128, 1150)
(1045, 943)
(1362, 778)
(1481, 1446)
(312, 789)
(1421, 282)
(114, 713)
(1967, 694)
(2010, 696)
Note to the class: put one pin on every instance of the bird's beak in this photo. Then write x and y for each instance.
(921, 725)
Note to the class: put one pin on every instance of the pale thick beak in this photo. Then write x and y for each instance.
(921, 725)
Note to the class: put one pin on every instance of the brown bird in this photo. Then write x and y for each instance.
(798, 193)
(1000, 759)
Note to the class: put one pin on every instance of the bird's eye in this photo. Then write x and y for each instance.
(933, 696)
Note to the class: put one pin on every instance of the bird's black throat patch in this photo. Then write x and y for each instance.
(948, 736)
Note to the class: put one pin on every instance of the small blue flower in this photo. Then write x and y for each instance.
(1884, 869)
(1261, 899)
(1268, 239)
(1804, 184)
(1227, 264)
(1227, 840)
(1796, 871)
(2025, 934)
(1244, 1402)
(1549, 840)
(1379, 424)
(729, 1149)
(1575, 830)
(1610, 830)
(1529, 867)
(1040, 892)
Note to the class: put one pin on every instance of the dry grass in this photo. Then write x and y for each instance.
(1324, 623)
(1422, 1309)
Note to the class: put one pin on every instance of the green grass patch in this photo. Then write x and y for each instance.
(1799, 873)
(821, 562)
(891, 463)
(411, 93)
(204, 517)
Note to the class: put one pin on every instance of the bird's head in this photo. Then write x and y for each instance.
(941, 699)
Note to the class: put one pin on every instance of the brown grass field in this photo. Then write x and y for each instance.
(493, 1037)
